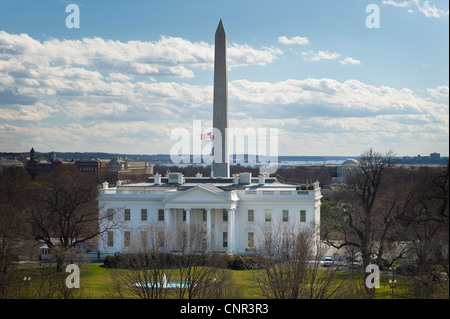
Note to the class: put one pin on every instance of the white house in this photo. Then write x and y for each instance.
(230, 211)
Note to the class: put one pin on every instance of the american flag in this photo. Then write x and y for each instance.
(206, 136)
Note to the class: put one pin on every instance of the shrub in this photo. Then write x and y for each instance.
(246, 262)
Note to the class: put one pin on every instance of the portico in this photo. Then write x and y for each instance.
(208, 207)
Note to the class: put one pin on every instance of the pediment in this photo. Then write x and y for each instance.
(198, 194)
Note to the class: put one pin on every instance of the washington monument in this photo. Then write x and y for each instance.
(220, 165)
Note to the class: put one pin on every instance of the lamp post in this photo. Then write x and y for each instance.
(392, 284)
(26, 281)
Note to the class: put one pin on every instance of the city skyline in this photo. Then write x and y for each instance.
(132, 73)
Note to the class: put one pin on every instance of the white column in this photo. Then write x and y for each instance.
(230, 247)
(168, 222)
(208, 228)
(167, 219)
(188, 227)
(188, 216)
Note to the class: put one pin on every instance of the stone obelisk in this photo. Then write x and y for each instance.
(220, 165)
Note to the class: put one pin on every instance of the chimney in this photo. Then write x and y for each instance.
(262, 179)
(157, 179)
(105, 185)
(236, 179)
(245, 178)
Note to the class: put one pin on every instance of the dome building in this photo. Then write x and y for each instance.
(347, 167)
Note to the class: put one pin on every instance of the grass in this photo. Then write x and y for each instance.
(96, 283)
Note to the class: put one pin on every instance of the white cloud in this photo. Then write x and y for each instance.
(314, 56)
(168, 57)
(349, 61)
(138, 117)
(293, 40)
(319, 55)
(119, 77)
(243, 55)
(403, 4)
(429, 10)
(439, 93)
(35, 112)
(93, 94)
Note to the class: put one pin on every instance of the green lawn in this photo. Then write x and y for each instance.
(95, 282)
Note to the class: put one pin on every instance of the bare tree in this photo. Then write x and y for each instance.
(427, 230)
(199, 270)
(149, 269)
(289, 258)
(369, 207)
(13, 227)
(63, 205)
(143, 268)
(12, 234)
(386, 213)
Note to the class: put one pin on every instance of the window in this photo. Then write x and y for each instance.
(184, 215)
(285, 215)
(110, 213)
(127, 214)
(225, 215)
(204, 215)
(225, 239)
(303, 216)
(126, 238)
(251, 240)
(143, 214)
(251, 215)
(110, 239)
(161, 215)
(268, 215)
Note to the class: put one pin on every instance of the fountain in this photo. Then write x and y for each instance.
(164, 284)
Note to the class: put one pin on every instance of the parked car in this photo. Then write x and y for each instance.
(354, 264)
(327, 261)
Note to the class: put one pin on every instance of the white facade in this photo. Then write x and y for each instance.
(230, 211)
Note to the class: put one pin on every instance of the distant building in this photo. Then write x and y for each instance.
(127, 168)
(91, 165)
(435, 156)
(347, 168)
(8, 163)
(44, 165)
(32, 164)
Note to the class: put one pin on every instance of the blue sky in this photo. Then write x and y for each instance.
(136, 70)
